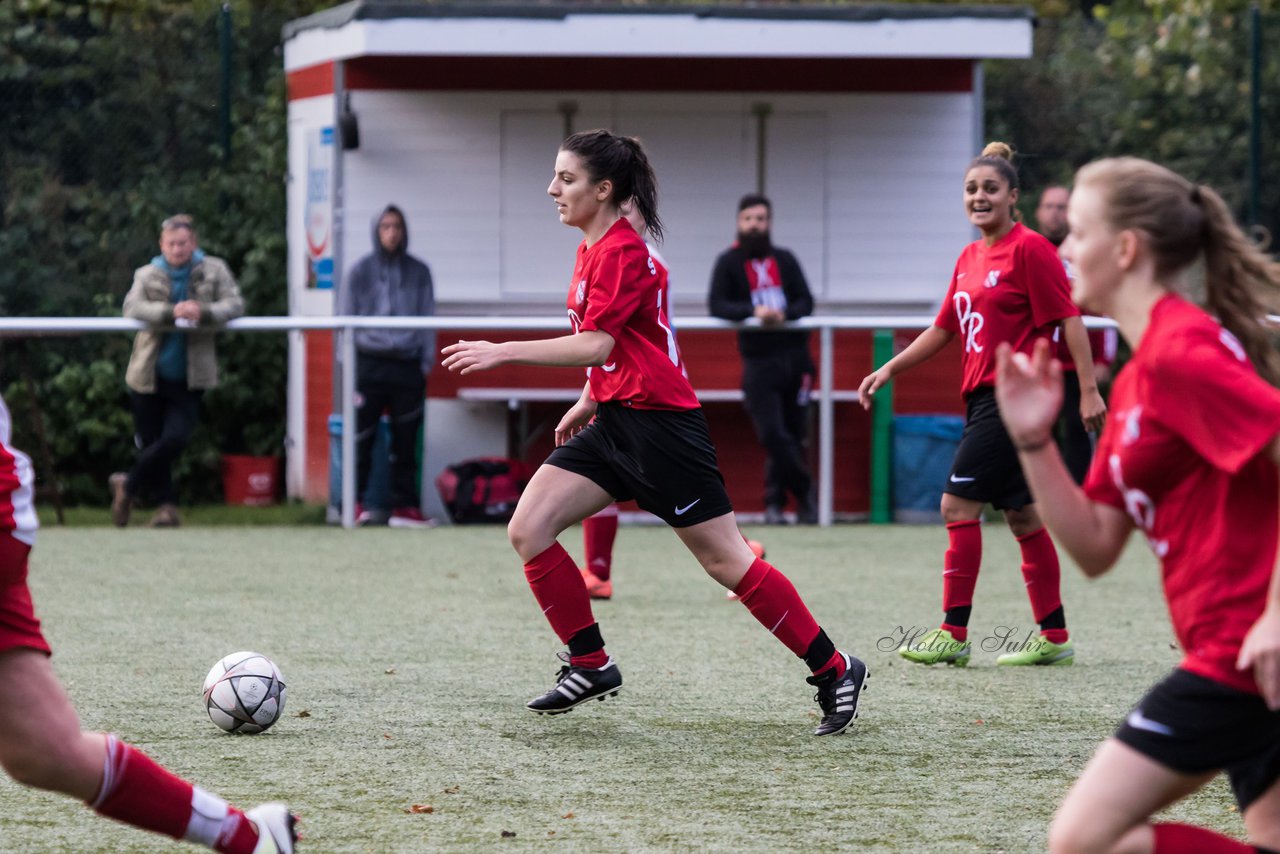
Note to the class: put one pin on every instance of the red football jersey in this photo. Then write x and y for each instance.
(1103, 344)
(1015, 291)
(619, 289)
(1181, 453)
(17, 482)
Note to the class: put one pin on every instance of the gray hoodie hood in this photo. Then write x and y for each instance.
(391, 284)
(403, 248)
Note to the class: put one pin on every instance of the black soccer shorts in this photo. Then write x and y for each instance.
(1195, 725)
(664, 459)
(986, 467)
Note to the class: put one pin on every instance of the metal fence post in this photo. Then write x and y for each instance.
(347, 345)
(882, 434)
(826, 427)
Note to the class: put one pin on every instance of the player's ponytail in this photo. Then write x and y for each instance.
(621, 161)
(1240, 281)
(644, 186)
(1184, 222)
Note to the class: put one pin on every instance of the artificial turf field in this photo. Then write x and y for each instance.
(409, 656)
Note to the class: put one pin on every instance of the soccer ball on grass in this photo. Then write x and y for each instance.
(244, 692)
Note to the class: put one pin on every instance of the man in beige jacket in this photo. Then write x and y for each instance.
(183, 294)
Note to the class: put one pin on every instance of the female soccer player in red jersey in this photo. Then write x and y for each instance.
(601, 529)
(636, 432)
(41, 743)
(1189, 456)
(1009, 286)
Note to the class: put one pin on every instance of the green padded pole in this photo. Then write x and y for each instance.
(882, 435)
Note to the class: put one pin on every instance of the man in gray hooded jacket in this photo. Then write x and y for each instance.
(391, 364)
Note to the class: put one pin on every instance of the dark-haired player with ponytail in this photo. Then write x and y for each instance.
(601, 529)
(1009, 286)
(636, 432)
(1189, 456)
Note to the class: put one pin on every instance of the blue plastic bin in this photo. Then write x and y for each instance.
(923, 447)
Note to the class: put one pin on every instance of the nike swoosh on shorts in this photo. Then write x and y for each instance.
(955, 479)
(680, 511)
(1138, 720)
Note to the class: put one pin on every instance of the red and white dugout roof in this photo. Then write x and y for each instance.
(884, 31)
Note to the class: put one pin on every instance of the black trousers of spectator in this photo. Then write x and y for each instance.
(397, 387)
(163, 423)
(1073, 439)
(775, 390)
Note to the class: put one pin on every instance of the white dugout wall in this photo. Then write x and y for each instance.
(862, 144)
(865, 186)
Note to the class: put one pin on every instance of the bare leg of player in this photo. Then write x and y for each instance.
(1262, 819)
(719, 546)
(41, 743)
(43, 746)
(1109, 808)
(553, 500)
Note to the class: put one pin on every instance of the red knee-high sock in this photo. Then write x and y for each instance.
(960, 575)
(1043, 576)
(598, 533)
(772, 599)
(138, 791)
(1188, 839)
(558, 586)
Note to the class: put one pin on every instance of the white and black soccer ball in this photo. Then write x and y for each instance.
(244, 692)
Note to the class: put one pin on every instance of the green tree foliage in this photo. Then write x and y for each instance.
(112, 111)
(1162, 79)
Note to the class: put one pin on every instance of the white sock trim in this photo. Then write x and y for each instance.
(208, 813)
(108, 786)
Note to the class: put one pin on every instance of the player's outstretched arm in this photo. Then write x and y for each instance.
(1029, 392)
(924, 348)
(1261, 647)
(583, 350)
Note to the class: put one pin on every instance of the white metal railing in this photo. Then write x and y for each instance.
(344, 327)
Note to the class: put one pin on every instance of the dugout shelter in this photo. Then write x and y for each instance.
(857, 121)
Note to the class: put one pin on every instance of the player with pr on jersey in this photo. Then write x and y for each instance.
(1009, 286)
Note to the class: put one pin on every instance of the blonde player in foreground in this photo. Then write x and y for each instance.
(1189, 457)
